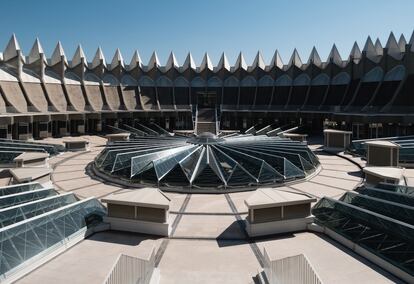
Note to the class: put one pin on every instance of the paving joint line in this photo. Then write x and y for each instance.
(253, 246)
(207, 213)
(166, 241)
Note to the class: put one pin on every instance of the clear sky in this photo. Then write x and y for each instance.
(204, 25)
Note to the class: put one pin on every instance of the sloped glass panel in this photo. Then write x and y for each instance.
(226, 164)
(19, 198)
(175, 177)
(189, 163)
(268, 174)
(240, 177)
(165, 164)
(30, 237)
(250, 163)
(291, 171)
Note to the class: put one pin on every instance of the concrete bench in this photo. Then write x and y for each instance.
(76, 145)
(25, 175)
(143, 210)
(31, 159)
(273, 211)
(117, 137)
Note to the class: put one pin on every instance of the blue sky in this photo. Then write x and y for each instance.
(199, 26)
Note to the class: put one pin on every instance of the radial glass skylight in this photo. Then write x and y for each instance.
(207, 161)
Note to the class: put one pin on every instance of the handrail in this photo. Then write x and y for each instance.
(292, 269)
(131, 270)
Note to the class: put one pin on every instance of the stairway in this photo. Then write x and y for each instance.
(206, 121)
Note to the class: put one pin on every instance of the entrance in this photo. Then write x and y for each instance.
(206, 99)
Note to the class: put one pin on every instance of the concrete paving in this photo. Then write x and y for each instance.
(91, 260)
(209, 244)
(331, 261)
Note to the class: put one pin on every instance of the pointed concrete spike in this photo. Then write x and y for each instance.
(411, 42)
(392, 46)
(99, 57)
(276, 61)
(314, 57)
(189, 62)
(240, 62)
(36, 52)
(78, 56)
(117, 59)
(206, 63)
(295, 59)
(378, 47)
(171, 62)
(11, 48)
(402, 42)
(57, 55)
(355, 51)
(153, 62)
(258, 61)
(135, 61)
(334, 56)
(223, 63)
(369, 48)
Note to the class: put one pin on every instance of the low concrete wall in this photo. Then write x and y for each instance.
(137, 226)
(277, 227)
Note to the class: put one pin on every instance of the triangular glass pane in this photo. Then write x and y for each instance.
(226, 164)
(212, 162)
(207, 178)
(165, 164)
(306, 165)
(240, 177)
(189, 163)
(269, 174)
(250, 163)
(291, 171)
(175, 177)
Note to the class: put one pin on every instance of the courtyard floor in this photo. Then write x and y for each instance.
(208, 242)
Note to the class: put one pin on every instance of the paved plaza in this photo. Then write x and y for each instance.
(208, 242)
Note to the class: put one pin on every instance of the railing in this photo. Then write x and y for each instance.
(132, 270)
(290, 270)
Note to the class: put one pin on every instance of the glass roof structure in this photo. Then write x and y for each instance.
(207, 161)
(35, 221)
(406, 143)
(10, 149)
(379, 219)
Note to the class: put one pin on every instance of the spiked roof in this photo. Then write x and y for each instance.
(78, 56)
(36, 53)
(206, 63)
(154, 61)
(171, 62)
(373, 51)
(393, 47)
(276, 61)
(58, 54)
(240, 62)
(98, 59)
(117, 59)
(223, 63)
(258, 61)
(135, 61)
(334, 56)
(314, 58)
(295, 59)
(12, 49)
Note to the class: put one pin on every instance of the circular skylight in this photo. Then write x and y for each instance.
(207, 161)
